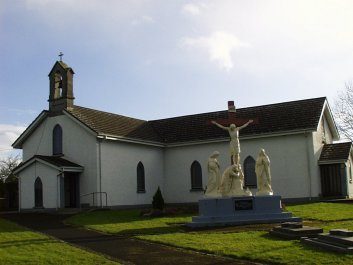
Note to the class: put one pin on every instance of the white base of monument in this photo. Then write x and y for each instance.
(241, 210)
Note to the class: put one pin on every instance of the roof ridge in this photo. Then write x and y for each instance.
(243, 108)
(287, 102)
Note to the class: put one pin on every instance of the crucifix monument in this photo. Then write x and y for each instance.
(226, 201)
(232, 180)
(234, 126)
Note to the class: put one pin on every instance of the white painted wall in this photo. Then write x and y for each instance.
(49, 180)
(119, 172)
(79, 146)
(290, 162)
(178, 162)
(290, 158)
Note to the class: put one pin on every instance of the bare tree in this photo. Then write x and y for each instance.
(343, 111)
(7, 165)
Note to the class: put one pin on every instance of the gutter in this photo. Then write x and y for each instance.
(199, 142)
(100, 168)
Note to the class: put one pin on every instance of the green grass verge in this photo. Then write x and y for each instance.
(245, 242)
(323, 211)
(128, 222)
(256, 246)
(21, 246)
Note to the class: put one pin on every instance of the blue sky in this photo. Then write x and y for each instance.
(152, 59)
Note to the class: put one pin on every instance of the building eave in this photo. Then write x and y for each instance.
(129, 140)
(72, 169)
(330, 162)
(35, 159)
(208, 141)
(246, 137)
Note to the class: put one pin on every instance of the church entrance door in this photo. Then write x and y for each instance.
(71, 188)
(331, 180)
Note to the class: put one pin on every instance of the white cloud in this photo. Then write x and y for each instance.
(8, 134)
(219, 45)
(191, 9)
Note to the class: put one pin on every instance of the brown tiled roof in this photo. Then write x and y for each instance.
(270, 119)
(333, 152)
(57, 161)
(53, 160)
(115, 125)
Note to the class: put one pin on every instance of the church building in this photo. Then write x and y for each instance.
(75, 156)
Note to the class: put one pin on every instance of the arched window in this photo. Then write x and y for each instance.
(196, 176)
(38, 193)
(249, 172)
(57, 140)
(140, 178)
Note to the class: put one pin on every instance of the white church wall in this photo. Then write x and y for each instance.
(119, 172)
(178, 162)
(38, 142)
(49, 180)
(290, 162)
(290, 158)
(79, 146)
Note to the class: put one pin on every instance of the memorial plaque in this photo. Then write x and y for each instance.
(243, 205)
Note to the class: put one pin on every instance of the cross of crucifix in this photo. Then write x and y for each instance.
(232, 119)
(61, 56)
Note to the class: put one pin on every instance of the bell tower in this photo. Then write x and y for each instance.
(61, 87)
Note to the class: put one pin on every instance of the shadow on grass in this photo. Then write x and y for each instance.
(20, 243)
(120, 216)
(10, 227)
(150, 231)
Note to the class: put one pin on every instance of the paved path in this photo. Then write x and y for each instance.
(124, 249)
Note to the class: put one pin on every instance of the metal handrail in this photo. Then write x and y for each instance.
(93, 198)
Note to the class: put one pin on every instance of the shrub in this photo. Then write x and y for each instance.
(158, 201)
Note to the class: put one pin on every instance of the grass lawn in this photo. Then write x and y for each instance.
(245, 242)
(21, 246)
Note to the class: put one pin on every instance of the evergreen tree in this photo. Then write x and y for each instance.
(158, 201)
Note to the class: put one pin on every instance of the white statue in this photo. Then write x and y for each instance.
(232, 182)
(263, 174)
(214, 176)
(234, 140)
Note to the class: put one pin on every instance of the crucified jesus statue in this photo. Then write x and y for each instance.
(233, 131)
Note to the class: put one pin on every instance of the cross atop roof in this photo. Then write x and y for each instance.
(61, 56)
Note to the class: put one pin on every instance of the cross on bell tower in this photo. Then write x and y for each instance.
(61, 56)
(61, 87)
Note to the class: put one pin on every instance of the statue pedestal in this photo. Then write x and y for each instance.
(241, 210)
